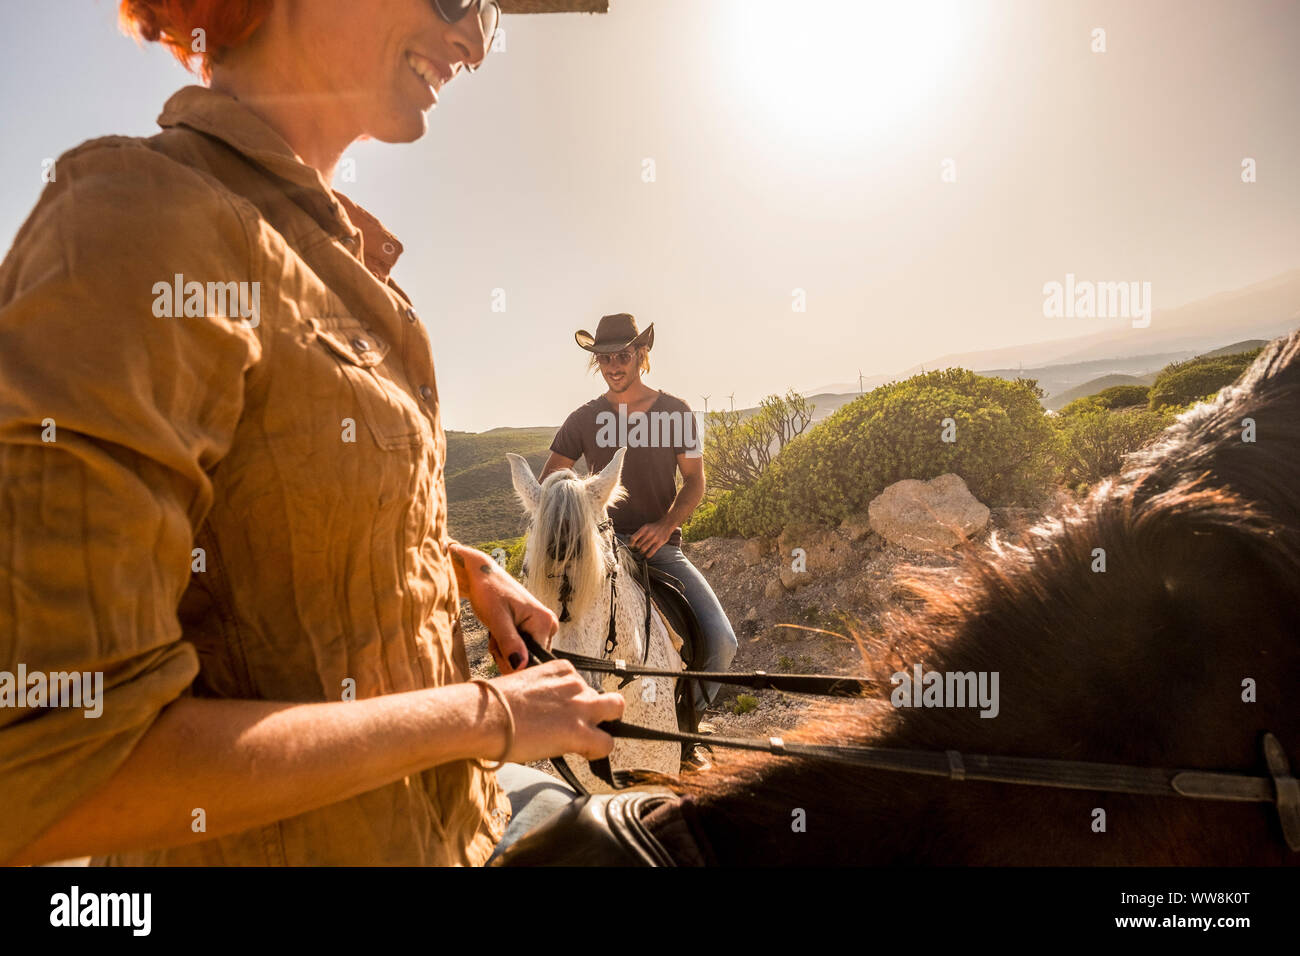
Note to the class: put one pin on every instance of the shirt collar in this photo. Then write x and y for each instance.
(225, 118)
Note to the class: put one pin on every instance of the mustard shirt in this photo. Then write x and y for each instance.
(235, 491)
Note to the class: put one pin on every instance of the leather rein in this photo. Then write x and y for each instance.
(1279, 787)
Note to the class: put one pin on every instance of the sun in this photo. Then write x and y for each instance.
(832, 69)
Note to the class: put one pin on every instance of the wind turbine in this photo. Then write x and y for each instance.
(706, 402)
(732, 396)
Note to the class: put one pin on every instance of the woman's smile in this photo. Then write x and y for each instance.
(431, 74)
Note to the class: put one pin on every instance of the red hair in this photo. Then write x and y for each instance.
(225, 25)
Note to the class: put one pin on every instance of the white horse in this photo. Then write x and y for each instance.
(568, 561)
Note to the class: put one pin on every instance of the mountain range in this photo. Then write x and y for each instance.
(1263, 310)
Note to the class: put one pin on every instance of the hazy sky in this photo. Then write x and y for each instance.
(790, 152)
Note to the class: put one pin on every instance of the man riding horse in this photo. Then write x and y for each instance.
(659, 432)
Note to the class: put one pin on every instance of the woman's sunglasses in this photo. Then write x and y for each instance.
(489, 17)
(618, 358)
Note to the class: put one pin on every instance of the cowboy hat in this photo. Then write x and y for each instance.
(615, 333)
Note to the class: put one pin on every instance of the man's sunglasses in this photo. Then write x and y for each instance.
(489, 17)
(618, 358)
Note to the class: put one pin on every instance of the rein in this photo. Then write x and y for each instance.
(643, 564)
(829, 685)
(1279, 787)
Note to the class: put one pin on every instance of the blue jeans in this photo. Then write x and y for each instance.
(534, 796)
(719, 638)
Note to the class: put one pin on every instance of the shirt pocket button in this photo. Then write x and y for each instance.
(386, 406)
(426, 392)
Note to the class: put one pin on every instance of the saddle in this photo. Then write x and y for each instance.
(635, 828)
(668, 596)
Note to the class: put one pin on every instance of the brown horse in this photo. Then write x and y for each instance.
(1181, 653)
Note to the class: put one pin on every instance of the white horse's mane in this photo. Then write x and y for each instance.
(563, 539)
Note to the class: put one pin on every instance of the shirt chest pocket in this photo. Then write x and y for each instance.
(384, 407)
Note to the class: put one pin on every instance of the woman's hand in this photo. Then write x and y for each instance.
(556, 712)
(503, 606)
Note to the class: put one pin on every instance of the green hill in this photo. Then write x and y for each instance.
(1246, 345)
(1200, 378)
(1093, 386)
(481, 503)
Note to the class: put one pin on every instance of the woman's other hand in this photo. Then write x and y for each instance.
(503, 606)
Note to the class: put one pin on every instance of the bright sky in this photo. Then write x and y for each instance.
(790, 152)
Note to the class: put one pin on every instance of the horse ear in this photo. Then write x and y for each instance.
(605, 487)
(526, 486)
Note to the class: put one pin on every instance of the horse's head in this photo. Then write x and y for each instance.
(564, 541)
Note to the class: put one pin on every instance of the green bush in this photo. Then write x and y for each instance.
(1092, 441)
(1185, 382)
(1117, 396)
(1002, 449)
(1079, 406)
(737, 449)
(1123, 396)
(709, 519)
(514, 549)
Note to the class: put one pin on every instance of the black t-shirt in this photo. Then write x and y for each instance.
(653, 440)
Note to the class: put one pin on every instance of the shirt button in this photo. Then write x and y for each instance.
(410, 314)
(389, 248)
(361, 345)
(426, 392)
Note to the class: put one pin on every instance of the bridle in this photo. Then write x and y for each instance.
(611, 633)
(1280, 787)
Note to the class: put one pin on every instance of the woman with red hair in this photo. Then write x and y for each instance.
(221, 482)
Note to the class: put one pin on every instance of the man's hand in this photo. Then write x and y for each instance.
(649, 538)
(503, 606)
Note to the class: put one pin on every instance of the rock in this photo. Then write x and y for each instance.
(774, 589)
(754, 550)
(796, 536)
(856, 527)
(792, 580)
(828, 553)
(927, 515)
(810, 553)
(751, 614)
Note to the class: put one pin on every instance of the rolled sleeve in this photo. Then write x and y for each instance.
(111, 419)
(568, 439)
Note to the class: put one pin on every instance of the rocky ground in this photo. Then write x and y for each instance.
(795, 616)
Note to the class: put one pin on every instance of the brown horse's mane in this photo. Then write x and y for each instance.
(1141, 664)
